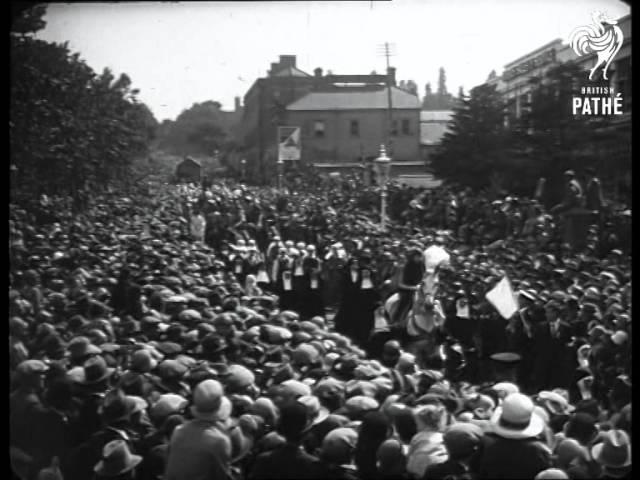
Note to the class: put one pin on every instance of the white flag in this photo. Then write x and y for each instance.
(503, 298)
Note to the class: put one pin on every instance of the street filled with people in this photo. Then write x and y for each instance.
(226, 331)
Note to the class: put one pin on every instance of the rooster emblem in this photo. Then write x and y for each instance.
(604, 37)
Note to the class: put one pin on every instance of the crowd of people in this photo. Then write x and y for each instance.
(226, 331)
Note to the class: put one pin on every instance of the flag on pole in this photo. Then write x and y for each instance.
(503, 298)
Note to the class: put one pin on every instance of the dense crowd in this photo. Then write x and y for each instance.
(229, 331)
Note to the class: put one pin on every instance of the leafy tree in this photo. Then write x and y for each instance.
(27, 20)
(548, 139)
(476, 142)
(199, 130)
(70, 128)
(442, 99)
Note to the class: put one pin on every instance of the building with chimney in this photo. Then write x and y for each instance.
(264, 110)
(343, 118)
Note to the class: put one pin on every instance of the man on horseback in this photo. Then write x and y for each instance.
(412, 275)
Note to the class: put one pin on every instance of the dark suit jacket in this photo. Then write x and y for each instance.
(514, 459)
(552, 364)
(287, 462)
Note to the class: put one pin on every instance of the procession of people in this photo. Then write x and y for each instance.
(232, 331)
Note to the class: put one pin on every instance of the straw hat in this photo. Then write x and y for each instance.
(516, 418)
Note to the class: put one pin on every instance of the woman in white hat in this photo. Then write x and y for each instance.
(513, 449)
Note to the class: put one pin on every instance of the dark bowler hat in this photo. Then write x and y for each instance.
(96, 370)
(116, 460)
(504, 365)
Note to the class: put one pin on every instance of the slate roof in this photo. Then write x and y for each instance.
(291, 72)
(354, 99)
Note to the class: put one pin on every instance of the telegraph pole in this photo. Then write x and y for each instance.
(387, 51)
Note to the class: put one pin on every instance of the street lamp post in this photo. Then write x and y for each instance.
(243, 162)
(280, 168)
(383, 166)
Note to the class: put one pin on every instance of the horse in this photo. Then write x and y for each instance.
(417, 330)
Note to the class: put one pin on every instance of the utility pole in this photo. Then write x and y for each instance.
(387, 51)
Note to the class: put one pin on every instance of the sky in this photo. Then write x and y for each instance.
(182, 53)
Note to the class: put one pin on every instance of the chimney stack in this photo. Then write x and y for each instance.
(274, 68)
(237, 104)
(287, 61)
(391, 73)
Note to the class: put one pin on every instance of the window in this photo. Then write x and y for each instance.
(405, 127)
(318, 128)
(394, 128)
(354, 128)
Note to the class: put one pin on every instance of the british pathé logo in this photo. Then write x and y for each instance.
(603, 37)
(597, 101)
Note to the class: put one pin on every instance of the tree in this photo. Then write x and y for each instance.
(441, 100)
(442, 82)
(27, 20)
(549, 139)
(476, 142)
(199, 130)
(70, 129)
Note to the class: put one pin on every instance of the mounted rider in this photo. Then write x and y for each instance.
(410, 279)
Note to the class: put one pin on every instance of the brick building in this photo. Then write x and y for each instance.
(343, 117)
(346, 125)
(264, 109)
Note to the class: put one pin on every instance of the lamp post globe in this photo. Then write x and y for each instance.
(383, 168)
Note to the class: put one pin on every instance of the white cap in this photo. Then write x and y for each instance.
(619, 337)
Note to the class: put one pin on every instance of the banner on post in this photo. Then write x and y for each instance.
(288, 143)
(503, 298)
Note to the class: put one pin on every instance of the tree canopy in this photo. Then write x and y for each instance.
(476, 140)
(70, 128)
(543, 140)
(199, 130)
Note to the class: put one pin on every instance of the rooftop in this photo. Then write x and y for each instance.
(355, 99)
(291, 72)
(436, 115)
